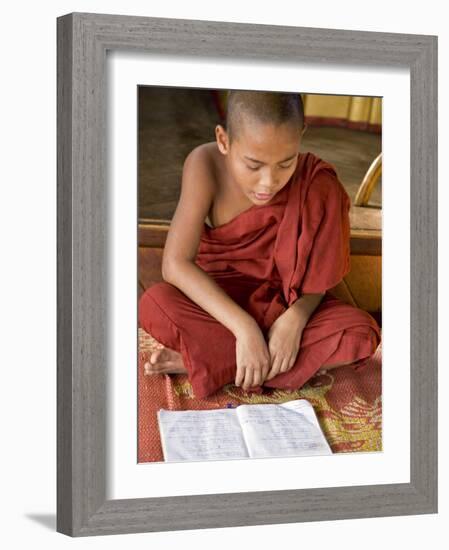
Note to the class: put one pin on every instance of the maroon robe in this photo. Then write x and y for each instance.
(265, 259)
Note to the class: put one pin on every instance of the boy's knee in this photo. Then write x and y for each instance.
(166, 301)
(155, 312)
(161, 293)
(154, 300)
(370, 319)
(365, 319)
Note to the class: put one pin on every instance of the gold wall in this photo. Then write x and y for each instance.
(340, 110)
(351, 108)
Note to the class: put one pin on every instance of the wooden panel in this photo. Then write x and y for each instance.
(365, 243)
(342, 291)
(365, 282)
(150, 262)
(153, 234)
(365, 218)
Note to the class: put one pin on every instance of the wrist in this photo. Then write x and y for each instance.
(303, 308)
(298, 318)
(245, 324)
(298, 315)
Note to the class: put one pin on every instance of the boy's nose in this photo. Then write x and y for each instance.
(267, 186)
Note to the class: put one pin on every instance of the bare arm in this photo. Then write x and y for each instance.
(178, 264)
(305, 306)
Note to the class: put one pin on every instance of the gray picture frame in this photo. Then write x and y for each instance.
(82, 247)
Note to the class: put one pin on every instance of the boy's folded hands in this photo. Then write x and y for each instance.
(252, 357)
(284, 339)
(258, 360)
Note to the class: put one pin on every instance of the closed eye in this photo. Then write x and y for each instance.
(283, 167)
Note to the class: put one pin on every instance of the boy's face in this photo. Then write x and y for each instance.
(262, 159)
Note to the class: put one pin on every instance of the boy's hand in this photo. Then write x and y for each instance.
(284, 338)
(252, 358)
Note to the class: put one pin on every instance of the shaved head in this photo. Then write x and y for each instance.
(276, 108)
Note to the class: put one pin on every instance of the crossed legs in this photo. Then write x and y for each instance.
(167, 360)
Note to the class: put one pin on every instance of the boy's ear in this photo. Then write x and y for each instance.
(221, 139)
(303, 131)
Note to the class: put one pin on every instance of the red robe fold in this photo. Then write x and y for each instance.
(265, 259)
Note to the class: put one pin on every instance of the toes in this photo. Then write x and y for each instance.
(159, 368)
(168, 367)
(152, 367)
(147, 368)
(163, 361)
(155, 356)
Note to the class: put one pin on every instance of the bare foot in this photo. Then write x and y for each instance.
(165, 361)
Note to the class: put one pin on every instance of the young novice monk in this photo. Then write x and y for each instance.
(245, 296)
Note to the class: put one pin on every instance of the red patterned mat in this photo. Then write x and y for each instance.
(348, 403)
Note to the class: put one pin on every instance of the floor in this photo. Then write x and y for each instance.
(172, 121)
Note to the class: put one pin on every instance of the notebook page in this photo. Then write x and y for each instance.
(287, 429)
(201, 435)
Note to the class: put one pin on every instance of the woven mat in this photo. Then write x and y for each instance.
(348, 403)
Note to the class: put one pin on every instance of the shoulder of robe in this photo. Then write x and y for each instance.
(326, 193)
(325, 180)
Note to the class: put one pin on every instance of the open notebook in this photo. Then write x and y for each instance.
(248, 431)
